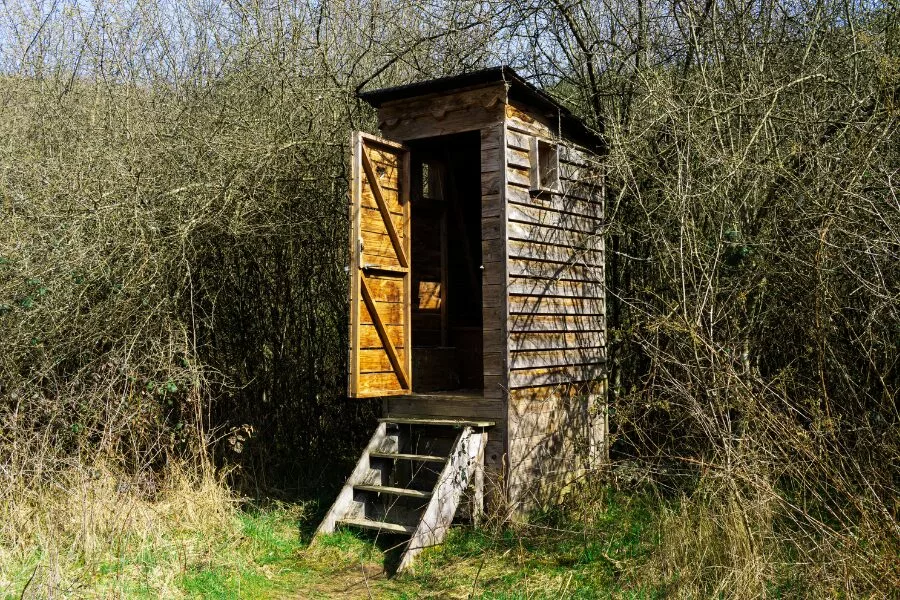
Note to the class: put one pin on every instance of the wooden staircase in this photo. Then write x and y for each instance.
(411, 479)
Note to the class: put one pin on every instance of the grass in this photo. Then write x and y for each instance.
(559, 555)
(554, 557)
(613, 544)
(264, 552)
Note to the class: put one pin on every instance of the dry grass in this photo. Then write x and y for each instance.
(83, 534)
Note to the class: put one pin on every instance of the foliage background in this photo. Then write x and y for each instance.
(172, 252)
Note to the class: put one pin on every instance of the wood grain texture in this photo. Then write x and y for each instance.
(459, 472)
(372, 179)
(397, 363)
(360, 473)
(375, 360)
(544, 305)
(379, 269)
(522, 119)
(536, 213)
(548, 376)
(391, 313)
(494, 272)
(553, 340)
(381, 384)
(563, 271)
(534, 233)
(445, 405)
(539, 250)
(453, 112)
(370, 338)
(555, 319)
(533, 359)
(574, 323)
(590, 206)
(354, 204)
(534, 286)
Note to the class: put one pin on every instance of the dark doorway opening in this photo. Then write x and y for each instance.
(446, 263)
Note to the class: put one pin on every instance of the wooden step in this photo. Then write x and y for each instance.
(394, 491)
(435, 516)
(379, 526)
(413, 457)
(449, 422)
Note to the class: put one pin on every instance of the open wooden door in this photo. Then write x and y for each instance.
(380, 284)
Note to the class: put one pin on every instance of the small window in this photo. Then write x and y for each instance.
(432, 188)
(544, 165)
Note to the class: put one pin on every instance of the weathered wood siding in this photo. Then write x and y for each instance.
(442, 114)
(478, 109)
(379, 273)
(494, 298)
(556, 321)
(543, 296)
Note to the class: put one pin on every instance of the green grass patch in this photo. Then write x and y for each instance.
(556, 555)
(581, 552)
(259, 559)
(222, 583)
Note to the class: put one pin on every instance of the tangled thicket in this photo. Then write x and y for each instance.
(173, 251)
(173, 243)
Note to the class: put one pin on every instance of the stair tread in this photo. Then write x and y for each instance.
(402, 455)
(437, 421)
(379, 525)
(396, 491)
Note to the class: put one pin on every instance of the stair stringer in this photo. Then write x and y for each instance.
(359, 475)
(461, 469)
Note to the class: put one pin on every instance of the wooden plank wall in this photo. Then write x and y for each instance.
(494, 298)
(544, 303)
(475, 109)
(442, 114)
(371, 245)
(556, 315)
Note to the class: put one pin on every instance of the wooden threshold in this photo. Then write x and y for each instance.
(437, 421)
(451, 407)
(460, 395)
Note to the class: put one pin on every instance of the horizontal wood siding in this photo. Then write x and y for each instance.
(544, 312)
(556, 262)
(430, 116)
(557, 435)
(556, 318)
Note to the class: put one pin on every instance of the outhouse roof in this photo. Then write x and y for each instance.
(518, 89)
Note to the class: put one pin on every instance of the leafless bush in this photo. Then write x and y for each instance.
(172, 245)
(172, 195)
(754, 282)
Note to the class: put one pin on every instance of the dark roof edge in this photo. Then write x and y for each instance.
(519, 89)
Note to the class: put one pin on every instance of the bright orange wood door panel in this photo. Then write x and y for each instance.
(380, 284)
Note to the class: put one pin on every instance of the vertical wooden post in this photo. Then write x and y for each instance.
(445, 266)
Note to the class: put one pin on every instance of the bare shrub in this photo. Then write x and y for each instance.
(754, 291)
(173, 244)
(172, 195)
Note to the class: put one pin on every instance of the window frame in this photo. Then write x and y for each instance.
(544, 155)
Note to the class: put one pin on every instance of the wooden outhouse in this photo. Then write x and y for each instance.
(477, 309)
